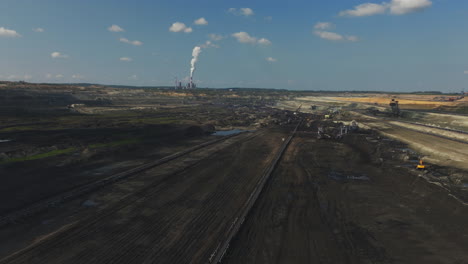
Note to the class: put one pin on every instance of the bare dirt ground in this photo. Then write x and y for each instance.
(328, 201)
(333, 202)
(355, 200)
(30, 181)
(437, 150)
(441, 151)
(416, 108)
(175, 218)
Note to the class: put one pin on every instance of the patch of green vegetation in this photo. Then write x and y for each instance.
(40, 156)
(115, 143)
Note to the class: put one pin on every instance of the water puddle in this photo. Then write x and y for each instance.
(89, 203)
(229, 132)
(359, 178)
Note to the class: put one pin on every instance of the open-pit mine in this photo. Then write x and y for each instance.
(109, 174)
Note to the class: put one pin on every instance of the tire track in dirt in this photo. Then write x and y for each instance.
(177, 229)
(314, 225)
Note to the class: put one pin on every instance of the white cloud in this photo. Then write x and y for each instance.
(268, 18)
(271, 59)
(77, 76)
(133, 77)
(209, 44)
(58, 76)
(367, 9)
(332, 36)
(201, 21)
(27, 77)
(244, 37)
(180, 27)
(134, 42)
(394, 7)
(126, 59)
(115, 28)
(215, 37)
(58, 55)
(321, 32)
(48, 75)
(329, 35)
(244, 11)
(401, 7)
(264, 41)
(212, 38)
(323, 25)
(4, 32)
(465, 72)
(39, 30)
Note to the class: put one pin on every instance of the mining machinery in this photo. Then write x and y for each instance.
(421, 165)
(395, 107)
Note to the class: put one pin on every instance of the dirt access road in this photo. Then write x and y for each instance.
(437, 150)
(178, 218)
(330, 202)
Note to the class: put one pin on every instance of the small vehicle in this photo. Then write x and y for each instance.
(421, 166)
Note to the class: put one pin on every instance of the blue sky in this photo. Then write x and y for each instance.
(397, 45)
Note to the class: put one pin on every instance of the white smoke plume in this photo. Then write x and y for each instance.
(195, 53)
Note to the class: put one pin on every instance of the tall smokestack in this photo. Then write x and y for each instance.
(191, 82)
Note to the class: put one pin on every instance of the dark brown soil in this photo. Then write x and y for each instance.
(328, 201)
(173, 218)
(335, 202)
(26, 182)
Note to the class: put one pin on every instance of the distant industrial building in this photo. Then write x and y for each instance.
(190, 85)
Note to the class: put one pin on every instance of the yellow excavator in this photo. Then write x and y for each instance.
(421, 166)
